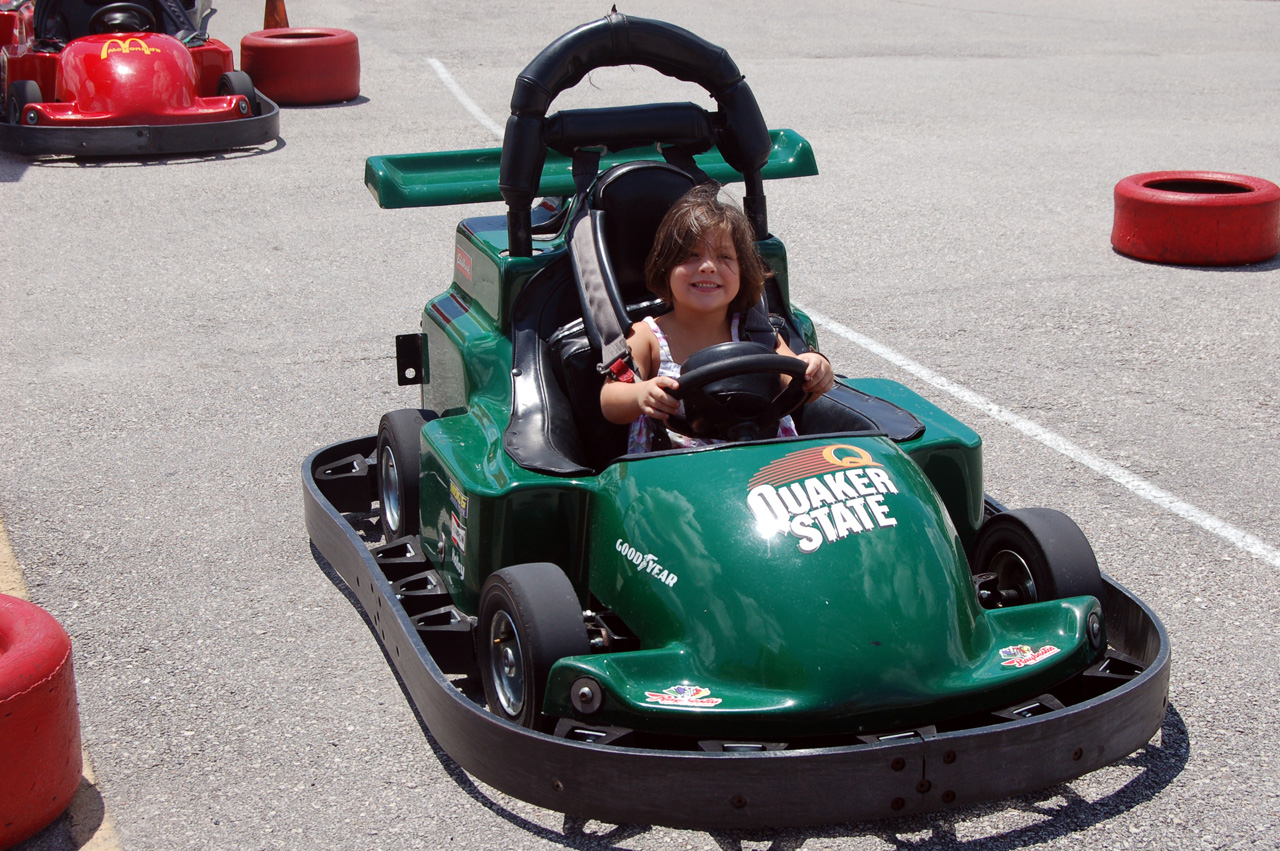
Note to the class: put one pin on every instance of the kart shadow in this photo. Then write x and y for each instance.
(1264, 266)
(12, 167)
(60, 161)
(1039, 817)
(358, 100)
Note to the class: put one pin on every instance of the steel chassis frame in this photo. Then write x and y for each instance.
(878, 778)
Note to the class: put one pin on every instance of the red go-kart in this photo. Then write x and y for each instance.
(93, 77)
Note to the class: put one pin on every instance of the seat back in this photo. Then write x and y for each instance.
(556, 422)
(633, 198)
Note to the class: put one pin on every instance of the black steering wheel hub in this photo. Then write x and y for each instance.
(734, 391)
(122, 18)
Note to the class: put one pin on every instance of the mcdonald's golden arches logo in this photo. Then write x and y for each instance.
(127, 45)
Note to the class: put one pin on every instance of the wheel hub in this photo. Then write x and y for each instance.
(1013, 576)
(389, 491)
(506, 664)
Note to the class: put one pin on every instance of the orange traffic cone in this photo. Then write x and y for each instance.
(276, 16)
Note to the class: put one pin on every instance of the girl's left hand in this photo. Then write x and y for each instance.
(819, 377)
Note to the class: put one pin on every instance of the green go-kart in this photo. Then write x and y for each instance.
(832, 627)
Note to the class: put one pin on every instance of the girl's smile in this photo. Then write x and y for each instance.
(708, 279)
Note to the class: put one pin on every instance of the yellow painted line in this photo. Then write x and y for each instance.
(88, 824)
(88, 821)
(10, 574)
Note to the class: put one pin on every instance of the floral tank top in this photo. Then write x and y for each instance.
(640, 437)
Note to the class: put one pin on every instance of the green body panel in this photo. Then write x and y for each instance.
(466, 177)
(949, 453)
(862, 618)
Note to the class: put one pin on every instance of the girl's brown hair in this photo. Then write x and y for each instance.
(699, 214)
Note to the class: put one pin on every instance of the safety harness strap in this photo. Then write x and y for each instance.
(603, 313)
(603, 317)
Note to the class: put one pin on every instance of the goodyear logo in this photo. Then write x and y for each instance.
(821, 494)
(127, 45)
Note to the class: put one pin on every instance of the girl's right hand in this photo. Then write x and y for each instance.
(654, 399)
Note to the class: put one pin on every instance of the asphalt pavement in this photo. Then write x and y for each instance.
(178, 335)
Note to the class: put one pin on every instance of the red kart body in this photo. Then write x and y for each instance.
(133, 78)
(124, 93)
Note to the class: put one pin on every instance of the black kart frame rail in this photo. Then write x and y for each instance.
(132, 140)
(921, 771)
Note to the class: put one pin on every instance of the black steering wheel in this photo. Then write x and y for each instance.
(121, 18)
(731, 392)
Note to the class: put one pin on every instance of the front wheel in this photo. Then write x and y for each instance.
(1034, 554)
(530, 618)
(238, 83)
(21, 94)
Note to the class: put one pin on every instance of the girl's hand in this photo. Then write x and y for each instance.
(819, 377)
(654, 399)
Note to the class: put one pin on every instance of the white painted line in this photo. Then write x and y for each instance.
(465, 99)
(1251, 544)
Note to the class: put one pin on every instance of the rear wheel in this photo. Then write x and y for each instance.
(399, 457)
(21, 94)
(1035, 554)
(530, 618)
(238, 83)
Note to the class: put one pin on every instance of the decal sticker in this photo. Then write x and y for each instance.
(126, 45)
(821, 494)
(459, 500)
(457, 562)
(462, 260)
(1021, 655)
(646, 563)
(458, 533)
(450, 309)
(682, 696)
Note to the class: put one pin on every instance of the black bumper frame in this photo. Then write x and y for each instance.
(143, 140)
(775, 788)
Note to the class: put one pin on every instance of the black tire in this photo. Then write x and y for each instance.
(20, 94)
(530, 617)
(238, 83)
(399, 459)
(1038, 553)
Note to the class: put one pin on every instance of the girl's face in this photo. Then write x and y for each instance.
(707, 280)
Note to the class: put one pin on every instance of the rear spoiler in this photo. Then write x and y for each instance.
(471, 177)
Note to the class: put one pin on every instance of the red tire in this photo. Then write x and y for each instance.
(1197, 218)
(299, 66)
(39, 721)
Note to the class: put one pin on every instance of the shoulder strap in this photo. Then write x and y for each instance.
(754, 326)
(178, 17)
(602, 314)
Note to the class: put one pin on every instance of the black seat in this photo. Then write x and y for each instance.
(634, 197)
(60, 21)
(556, 422)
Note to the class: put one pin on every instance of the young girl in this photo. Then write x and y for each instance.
(704, 264)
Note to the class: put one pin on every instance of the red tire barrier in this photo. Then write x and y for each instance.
(40, 760)
(1197, 218)
(298, 66)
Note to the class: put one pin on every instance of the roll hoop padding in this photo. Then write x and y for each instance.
(616, 40)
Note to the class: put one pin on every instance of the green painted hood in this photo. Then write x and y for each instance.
(816, 580)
